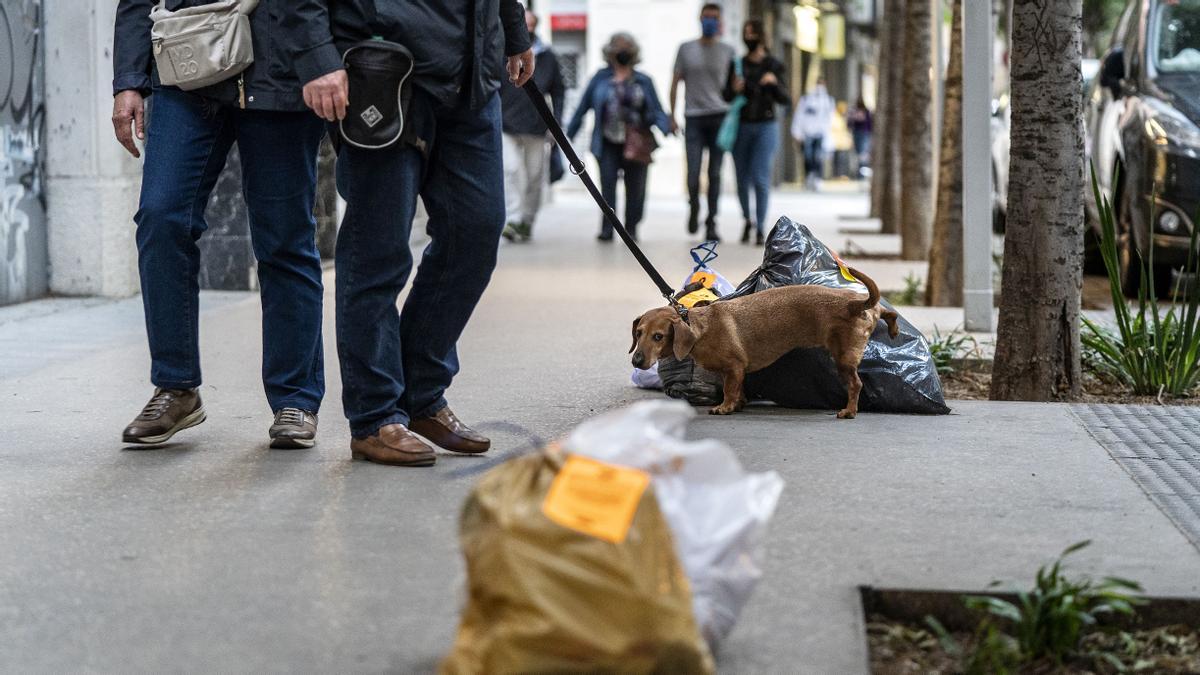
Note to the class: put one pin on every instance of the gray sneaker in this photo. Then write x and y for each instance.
(294, 429)
(169, 411)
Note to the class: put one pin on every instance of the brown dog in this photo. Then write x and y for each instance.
(740, 336)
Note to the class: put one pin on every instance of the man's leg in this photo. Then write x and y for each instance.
(693, 134)
(514, 183)
(186, 149)
(463, 194)
(536, 161)
(279, 179)
(716, 156)
(372, 265)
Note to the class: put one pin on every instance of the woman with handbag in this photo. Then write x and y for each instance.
(759, 79)
(626, 108)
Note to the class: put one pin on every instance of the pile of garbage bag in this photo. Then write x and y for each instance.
(898, 374)
(624, 548)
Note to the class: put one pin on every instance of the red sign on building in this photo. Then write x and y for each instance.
(568, 22)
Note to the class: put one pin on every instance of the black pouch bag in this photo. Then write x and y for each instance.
(380, 74)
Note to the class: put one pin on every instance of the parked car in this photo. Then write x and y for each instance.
(1001, 121)
(1143, 124)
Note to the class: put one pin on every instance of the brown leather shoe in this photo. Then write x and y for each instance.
(169, 411)
(447, 431)
(394, 445)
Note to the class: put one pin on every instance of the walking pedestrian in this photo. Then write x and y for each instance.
(626, 107)
(186, 144)
(526, 143)
(861, 126)
(397, 365)
(810, 127)
(762, 84)
(702, 66)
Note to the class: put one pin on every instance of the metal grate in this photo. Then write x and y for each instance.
(1160, 448)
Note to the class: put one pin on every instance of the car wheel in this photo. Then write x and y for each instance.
(1128, 261)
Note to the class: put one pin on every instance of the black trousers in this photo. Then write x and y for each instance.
(612, 166)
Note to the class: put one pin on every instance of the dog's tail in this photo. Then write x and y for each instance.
(872, 292)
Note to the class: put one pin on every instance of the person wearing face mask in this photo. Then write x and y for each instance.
(626, 107)
(702, 65)
(761, 83)
(810, 126)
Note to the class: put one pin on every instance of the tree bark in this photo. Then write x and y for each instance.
(885, 157)
(1037, 348)
(916, 151)
(883, 95)
(943, 284)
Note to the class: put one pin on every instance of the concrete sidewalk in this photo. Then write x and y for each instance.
(218, 554)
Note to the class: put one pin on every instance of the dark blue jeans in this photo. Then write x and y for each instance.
(188, 141)
(397, 365)
(700, 134)
(613, 165)
(753, 159)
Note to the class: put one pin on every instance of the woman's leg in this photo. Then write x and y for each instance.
(765, 147)
(610, 164)
(635, 193)
(743, 149)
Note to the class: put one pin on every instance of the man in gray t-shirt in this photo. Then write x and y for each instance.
(703, 66)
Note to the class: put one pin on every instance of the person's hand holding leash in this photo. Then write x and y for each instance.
(328, 96)
(129, 119)
(520, 67)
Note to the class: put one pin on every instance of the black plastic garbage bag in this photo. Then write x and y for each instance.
(898, 375)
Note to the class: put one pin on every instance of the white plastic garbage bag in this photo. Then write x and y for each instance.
(718, 513)
(647, 378)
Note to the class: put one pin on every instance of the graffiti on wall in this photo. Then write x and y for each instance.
(22, 124)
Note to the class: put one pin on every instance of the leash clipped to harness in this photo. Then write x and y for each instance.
(578, 168)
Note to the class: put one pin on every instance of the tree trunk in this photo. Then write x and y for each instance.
(943, 285)
(885, 157)
(916, 151)
(1037, 347)
(883, 94)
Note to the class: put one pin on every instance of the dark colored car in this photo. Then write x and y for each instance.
(1143, 123)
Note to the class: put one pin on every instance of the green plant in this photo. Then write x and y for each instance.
(912, 293)
(1048, 621)
(945, 349)
(1150, 351)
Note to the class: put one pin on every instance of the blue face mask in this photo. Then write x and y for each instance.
(709, 26)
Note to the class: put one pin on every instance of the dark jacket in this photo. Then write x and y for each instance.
(270, 83)
(760, 100)
(596, 96)
(454, 49)
(520, 117)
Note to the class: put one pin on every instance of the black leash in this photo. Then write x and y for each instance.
(580, 169)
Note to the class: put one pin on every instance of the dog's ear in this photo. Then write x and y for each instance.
(683, 338)
(635, 325)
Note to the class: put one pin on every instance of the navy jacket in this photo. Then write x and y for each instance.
(459, 45)
(596, 96)
(520, 117)
(270, 83)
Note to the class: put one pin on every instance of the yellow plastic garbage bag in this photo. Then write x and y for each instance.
(571, 568)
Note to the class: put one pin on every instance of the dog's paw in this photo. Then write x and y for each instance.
(847, 414)
(720, 410)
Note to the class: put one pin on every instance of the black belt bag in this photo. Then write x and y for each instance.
(380, 74)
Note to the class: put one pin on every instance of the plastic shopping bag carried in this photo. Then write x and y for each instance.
(571, 568)
(717, 511)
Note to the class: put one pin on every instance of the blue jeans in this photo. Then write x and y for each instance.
(753, 158)
(814, 157)
(612, 166)
(397, 365)
(186, 147)
(700, 134)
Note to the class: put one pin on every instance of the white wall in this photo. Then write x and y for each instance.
(91, 182)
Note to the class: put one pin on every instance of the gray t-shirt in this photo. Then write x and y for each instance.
(703, 69)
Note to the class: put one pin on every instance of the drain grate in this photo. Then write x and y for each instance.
(1160, 447)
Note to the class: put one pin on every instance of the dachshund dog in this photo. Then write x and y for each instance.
(740, 336)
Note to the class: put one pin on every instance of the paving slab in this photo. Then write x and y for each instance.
(219, 554)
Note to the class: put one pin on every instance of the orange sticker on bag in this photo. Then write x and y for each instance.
(595, 498)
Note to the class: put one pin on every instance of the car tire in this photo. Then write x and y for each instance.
(1128, 260)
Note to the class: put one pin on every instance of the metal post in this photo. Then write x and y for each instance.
(977, 166)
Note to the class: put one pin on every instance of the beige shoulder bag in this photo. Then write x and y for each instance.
(199, 46)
